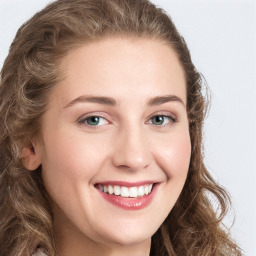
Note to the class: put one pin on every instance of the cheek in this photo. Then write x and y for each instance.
(69, 162)
(174, 155)
(71, 154)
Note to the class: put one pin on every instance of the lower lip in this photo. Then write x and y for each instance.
(129, 203)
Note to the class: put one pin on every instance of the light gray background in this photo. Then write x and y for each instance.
(221, 37)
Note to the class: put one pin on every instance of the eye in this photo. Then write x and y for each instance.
(93, 121)
(161, 120)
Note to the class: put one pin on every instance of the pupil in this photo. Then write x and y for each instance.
(94, 120)
(158, 120)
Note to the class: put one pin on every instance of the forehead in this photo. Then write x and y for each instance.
(122, 66)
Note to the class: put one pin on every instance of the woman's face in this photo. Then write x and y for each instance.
(116, 122)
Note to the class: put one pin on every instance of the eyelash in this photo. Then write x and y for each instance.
(84, 120)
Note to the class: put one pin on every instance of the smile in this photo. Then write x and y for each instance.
(129, 196)
(125, 192)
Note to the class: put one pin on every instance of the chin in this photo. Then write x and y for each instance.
(128, 240)
(127, 236)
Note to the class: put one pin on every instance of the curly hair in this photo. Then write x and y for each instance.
(32, 68)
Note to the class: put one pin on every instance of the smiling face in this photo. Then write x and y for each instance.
(117, 121)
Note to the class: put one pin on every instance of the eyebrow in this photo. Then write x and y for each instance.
(92, 99)
(158, 100)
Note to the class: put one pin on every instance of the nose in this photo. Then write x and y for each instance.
(132, 150)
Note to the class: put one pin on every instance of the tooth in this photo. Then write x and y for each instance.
(146, 190)
(117, 190)
(110, 189)
(141, 191)
(124, 192)
(133, 191)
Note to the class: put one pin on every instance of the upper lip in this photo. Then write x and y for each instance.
(126, 183)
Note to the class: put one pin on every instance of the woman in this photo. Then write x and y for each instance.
(101, 137)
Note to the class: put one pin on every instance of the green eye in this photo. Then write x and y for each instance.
(93, 121)
(161, 120)
(158, 120)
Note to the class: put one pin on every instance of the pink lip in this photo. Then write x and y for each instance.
(130, 203)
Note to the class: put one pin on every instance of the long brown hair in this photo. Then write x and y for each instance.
(30, 71)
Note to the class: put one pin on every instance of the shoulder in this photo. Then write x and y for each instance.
(40, 252)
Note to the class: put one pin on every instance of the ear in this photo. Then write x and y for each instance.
(31, 157)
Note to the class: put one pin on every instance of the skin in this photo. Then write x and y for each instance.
(125, 146)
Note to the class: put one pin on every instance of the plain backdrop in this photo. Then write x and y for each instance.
(221, 37)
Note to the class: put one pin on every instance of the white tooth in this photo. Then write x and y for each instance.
(133, 191)
(101, 188)
(105, 189)
(110, 189)
(150, 188)
(124, 192)
(146, 190)
(117, 190)
(141, 191)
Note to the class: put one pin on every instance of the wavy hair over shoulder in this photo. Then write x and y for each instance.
(30, 71)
